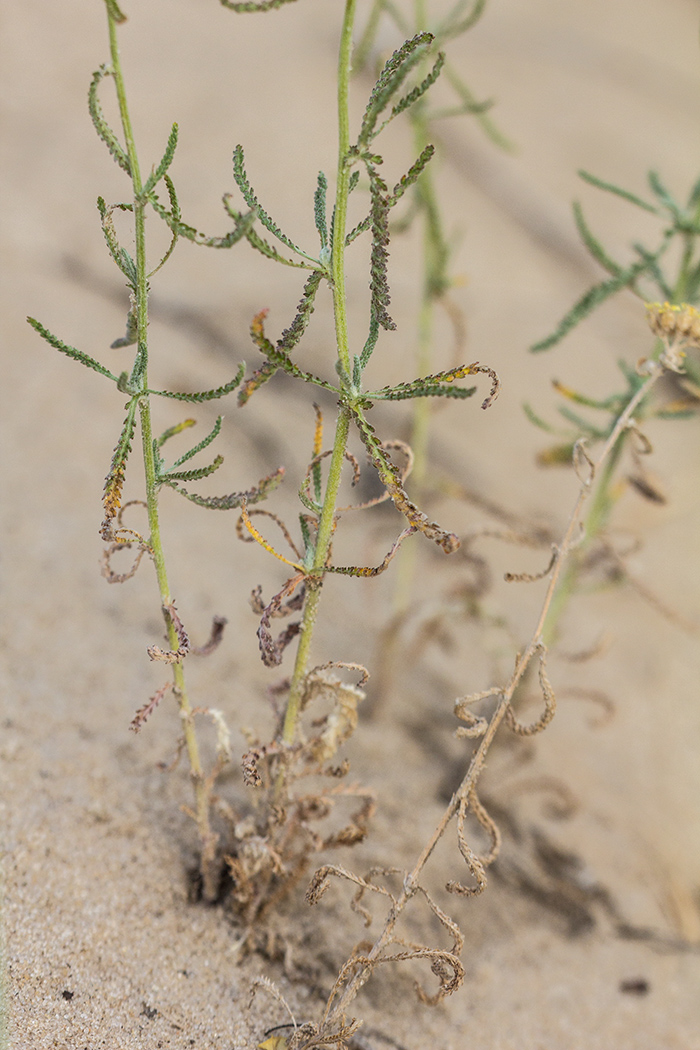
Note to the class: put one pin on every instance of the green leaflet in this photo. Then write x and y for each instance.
(592, 244)
(597, 295)
(98, 119)
(214, 433)
(77, 355)
(120, 255)
(244, 7)
(320, 208)
(195, 474)
(389, 477)
(378, 284)
(291, 336)
(610, 187)
(204, 395)
(390, 80)
(165, 163)
(418, 91)
(235, 499)
(241, 230)
(239, 174)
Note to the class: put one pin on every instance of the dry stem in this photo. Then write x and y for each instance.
(466, 793)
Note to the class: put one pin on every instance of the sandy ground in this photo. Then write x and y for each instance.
(102, 947)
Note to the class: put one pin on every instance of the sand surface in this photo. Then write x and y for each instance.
(102, 946)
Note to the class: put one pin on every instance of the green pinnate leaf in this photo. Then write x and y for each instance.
(411, 176)
(662, 194)
(610, 187)
(120, 255)
(235, 499)
(593, 244)
(597, 295)
(239, 174)
(419, 90)
(248, 7)
(169, 476)
(379, 285)
(167, 159)
(291, 336)
(438, 385)
(204, 443)
(320, 208)
(390, 80)
(70, 351)
(98, 119)
(277, 358)
(242, 229)
(204, 395)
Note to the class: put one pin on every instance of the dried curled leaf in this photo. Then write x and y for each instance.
(172, 656)
(549, 703)
(473, 862)
(272, 649)
(217, 633)
(145, 712)
(341, 721)
(391, 479)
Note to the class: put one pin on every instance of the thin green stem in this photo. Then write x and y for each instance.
(594, 523)
(139, 378)
(327, 518)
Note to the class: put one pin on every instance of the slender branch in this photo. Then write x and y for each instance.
(476, 765)
(327, 519)
(139, 377)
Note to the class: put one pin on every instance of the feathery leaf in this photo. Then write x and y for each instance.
(77, 355)
(235, 499)
(391, 480)
(594, 246)
(390, 80)
(411, 176)
(379, 285)
(98, 119)
(242, 229)
(120, 255)
(166, 160)
(204, 395)
(245, 7)
(190, 475)
(660, 191)
(320, 208)
(213, 433)
(291, 336)
(595, 296)
(176, 215)
(419, 90)
(609, 187)
(239, 174)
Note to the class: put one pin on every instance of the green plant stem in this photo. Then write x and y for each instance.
(594, 523)
(139, 378)
(327, 519)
